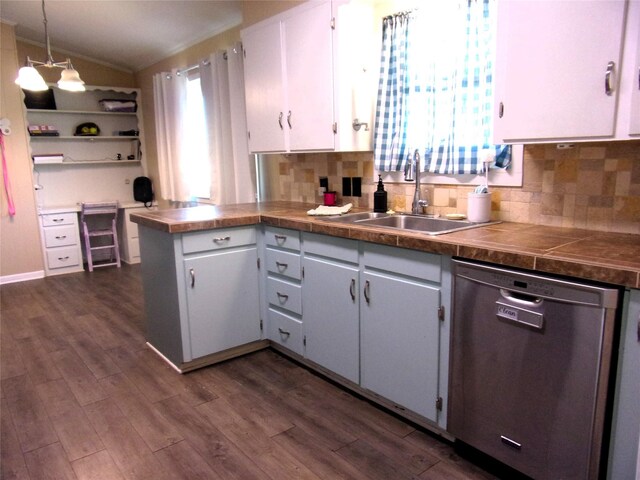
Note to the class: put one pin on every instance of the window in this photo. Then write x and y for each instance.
(436, 89)
(196, 165)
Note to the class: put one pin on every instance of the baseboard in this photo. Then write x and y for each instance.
(21, 277)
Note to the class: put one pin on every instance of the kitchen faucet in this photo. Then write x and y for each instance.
(413, 167)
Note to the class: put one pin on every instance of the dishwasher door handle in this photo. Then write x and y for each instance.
(519, 315)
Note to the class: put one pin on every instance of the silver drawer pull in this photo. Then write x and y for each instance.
(283, 332)
(282, 296)
(192, 274)
(352, 289)
(366, 291)
(60, 237)
(62, 259)
(280, 238)
(222, 239)
(511, 443)
(57, 220)
(282, 266)
(608, 88)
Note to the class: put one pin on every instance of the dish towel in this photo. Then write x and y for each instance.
(324, 210)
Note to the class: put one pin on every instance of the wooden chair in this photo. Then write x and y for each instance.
(104, 211)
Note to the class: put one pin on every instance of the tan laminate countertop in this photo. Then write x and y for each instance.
(600, 256)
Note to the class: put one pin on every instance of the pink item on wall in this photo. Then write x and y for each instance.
(5, 176)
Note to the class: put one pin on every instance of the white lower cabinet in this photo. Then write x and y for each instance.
(222, 300)
(331, 305)
(400, 328)
(61, 242)
(201, 292)
(283, 292)
(375, 315)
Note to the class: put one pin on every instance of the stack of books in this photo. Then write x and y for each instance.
(43, 131)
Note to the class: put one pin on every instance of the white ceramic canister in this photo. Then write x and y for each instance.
(479, 207)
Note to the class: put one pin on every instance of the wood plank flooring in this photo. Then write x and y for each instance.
(83, 398)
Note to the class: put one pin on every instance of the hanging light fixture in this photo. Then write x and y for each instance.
(30, 79)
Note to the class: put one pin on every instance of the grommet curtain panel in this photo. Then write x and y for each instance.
(169, 93)
(435, 93)
(233, 178)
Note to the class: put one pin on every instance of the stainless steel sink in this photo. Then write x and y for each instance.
(356, 217)
(414, 223)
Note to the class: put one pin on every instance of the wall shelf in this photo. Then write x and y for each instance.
(78, 112)
(87, 138)
(87, 162)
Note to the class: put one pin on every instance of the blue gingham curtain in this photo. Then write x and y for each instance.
(435, 92)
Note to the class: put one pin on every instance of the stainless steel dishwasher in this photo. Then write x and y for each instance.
(530, 367)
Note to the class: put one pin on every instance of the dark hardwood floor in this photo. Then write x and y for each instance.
(82, 397)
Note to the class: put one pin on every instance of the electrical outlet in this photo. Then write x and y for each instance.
(346, 186)
(127, 181)
(324, 183)
(356, 186)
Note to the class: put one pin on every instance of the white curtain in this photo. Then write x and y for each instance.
(233, 171)
(169, 92)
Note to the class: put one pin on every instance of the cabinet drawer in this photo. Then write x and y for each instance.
(286, 331)
(284, 295)
(282, 237)
(60, 236)
(63, 257)
(283, 263)
(426, 266)
(218, 239)
(68, 218)
(331, 247)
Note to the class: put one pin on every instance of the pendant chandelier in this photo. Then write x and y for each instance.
(30, 79)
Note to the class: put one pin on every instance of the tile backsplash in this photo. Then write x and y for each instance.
(592, 185)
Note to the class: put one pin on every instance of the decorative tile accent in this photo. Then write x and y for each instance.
(593, 185)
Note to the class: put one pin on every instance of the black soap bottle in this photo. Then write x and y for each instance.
(380, 197)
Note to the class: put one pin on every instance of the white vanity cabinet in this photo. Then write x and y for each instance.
(403, 328)
(624, 450)
(201, 294)
(283, 290)
(331, 304)
(559, 71)
(61, 242)
(302, 94)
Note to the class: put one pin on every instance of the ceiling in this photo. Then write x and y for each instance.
(127, 34)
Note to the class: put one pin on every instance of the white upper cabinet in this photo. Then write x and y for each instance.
(296, 86)
(560, 70)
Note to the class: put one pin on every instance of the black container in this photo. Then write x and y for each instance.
(380, 197)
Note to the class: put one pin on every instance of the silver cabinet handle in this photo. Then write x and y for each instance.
(366, 291)
(62, 259)
(283, 332)
(289, 119)
(280, 238)
(501, 110)
(282, 296)
(57, 220)
(608, 89)
(352, 289)
(280, 120)
(192, 274)
(60, 237)
(221, 239)
(282, 266)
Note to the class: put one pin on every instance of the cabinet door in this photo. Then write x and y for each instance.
(309, 77)
(222, 300)
(550, 66)
(330, 314)
(399, 341)
(264, 93)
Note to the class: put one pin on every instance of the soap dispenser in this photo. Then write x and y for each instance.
(380, 197)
